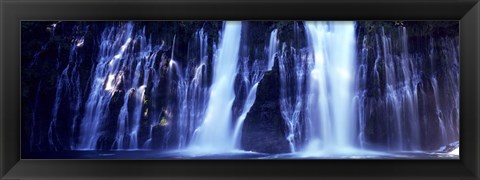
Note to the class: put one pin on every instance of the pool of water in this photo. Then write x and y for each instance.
(238, 155)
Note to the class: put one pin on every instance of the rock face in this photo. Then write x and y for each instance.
(432, 49)
(50, 47)
(158, 136)
(264, 128)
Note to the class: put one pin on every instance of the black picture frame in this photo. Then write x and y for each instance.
(13, 11)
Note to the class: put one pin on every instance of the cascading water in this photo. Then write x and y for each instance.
(214, 133)
(67, 85)
(272, 48)
(401, 92)
(197, 95)
(392, 99)
(191, 89)
(410, 95)
(330, 88)
(252, 84)
(360, 93)
(182, 89)
(292, 76)
(119, 71)
(446, 113)
(105, 71)
(292, 104)
(155, 114)
(251, 76)
(129, 118)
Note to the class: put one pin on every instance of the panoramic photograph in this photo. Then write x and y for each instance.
(260, 90)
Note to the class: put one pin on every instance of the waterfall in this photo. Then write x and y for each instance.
(176, 77)
(131, 112)
(126, 69)
(330, 88)
(191, 90)
(118, 71)
(256, 73)
(411, 96)
(292, 77)
(181, 83)
(251, 76)
(108, 66)
(293, 73)
(215, 131)
(340, 87)
(272, 48)
(360, 93)
(69, 92)
(154, 117)
(197, 96)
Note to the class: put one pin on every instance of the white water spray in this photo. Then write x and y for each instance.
(330, 89)
(215, 131)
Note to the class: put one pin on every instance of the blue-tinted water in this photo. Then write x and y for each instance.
(236, 155)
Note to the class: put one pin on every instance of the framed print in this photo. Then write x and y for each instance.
(201, 89)
(240, 90)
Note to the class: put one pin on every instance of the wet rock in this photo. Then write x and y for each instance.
(159, 135)
(105, 142)
(264, 128)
